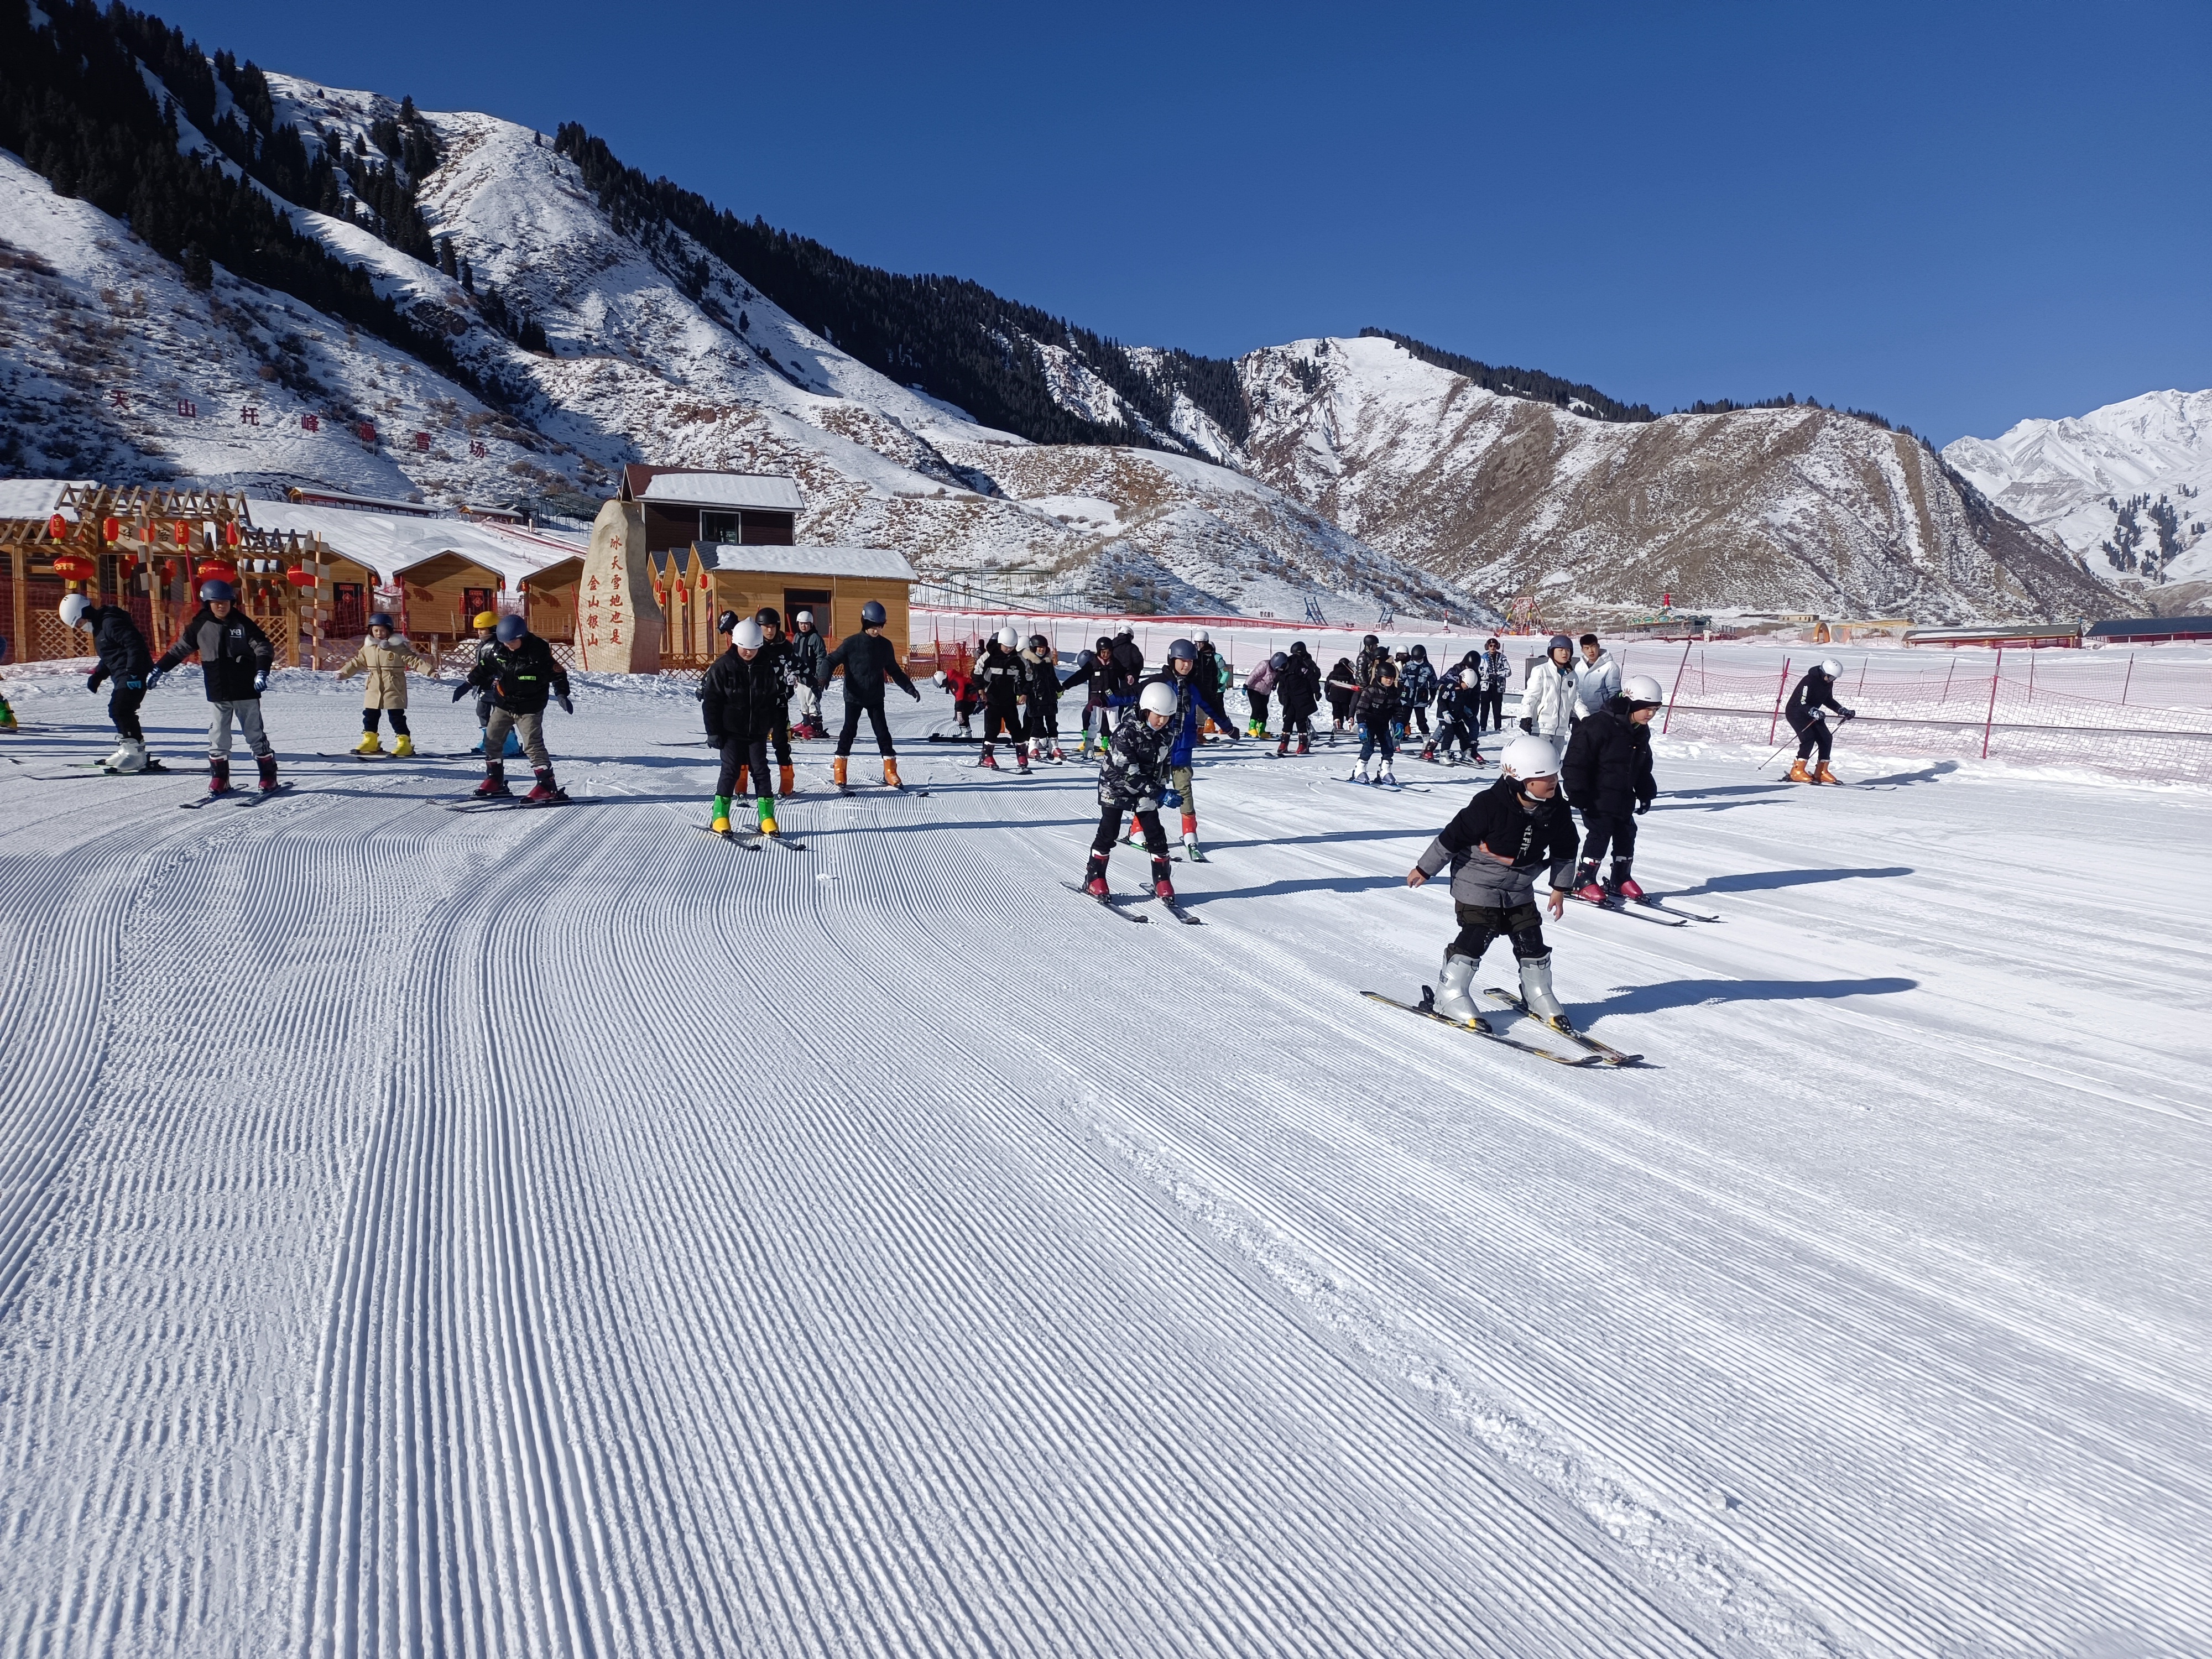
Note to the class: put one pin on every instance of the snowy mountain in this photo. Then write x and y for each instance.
(1796, 508)
(2128, 487)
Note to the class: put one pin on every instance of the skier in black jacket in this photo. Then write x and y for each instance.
(1343, 687)
(123, 659)
(1298, 689)
(809, 657)
(1815, 693)
(519, 670)
(234, 660)
(1608, 776)
(1134, 778)
(1041, 663)
(1094, 669)
(1495, 846)
(1377, 708)
(868, 658)
(741, 699)
(1125, 674)
(1003, 678)
(783, 667)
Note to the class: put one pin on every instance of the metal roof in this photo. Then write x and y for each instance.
(875, 563)
(2125, 627)
(761, 491)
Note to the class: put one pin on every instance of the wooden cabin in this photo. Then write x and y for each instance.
(685, 505)
(443, 592)
(549, 597)
(833, 582)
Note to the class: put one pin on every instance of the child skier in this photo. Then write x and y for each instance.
(1459, 717)
(1547, 700)
(234, 658)
(1299, 688)
(123, 659)
(1377, 708)
(1417, 684)
(868, 658)
(740, 700)
(1597, 678)
(810, 657)
(1006, 685)
(1608, 776)
(1042, 662)
(1815, 693)
(777, 653)
(1495, 846)
(960, 685)
(1135, 778)
(485, 623)
(1343, 687)
(1092, 670)
(386, 656)
(1258, 684)
(519, 672)
(1195, 699)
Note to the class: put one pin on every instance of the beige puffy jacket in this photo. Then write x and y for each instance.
(385, 663)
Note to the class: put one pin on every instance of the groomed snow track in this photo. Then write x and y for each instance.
(561, 1232)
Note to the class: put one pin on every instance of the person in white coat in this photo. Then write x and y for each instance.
(1547, 700)
(1597, 678)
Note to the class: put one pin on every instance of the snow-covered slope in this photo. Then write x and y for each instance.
(1771, 509)
(2073, 479)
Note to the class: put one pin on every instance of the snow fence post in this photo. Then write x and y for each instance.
(1989, 719)
(1671, 695)
(2127, 679)
(1780, 686)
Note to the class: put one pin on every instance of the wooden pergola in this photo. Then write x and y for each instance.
(139, 546)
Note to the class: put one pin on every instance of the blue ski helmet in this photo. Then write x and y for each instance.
(212, 591)
(510, 630)
(1183, 649)
(871, 615)
(383, 619)
(1279, 661)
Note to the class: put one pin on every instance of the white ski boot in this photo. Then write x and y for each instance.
(1190, 848)
(1455, 1001)
(129, 755)
(1536, 991)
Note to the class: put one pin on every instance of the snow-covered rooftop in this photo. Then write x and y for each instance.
(389, 544)
(33, 498)
(878, 563)
(759, 490)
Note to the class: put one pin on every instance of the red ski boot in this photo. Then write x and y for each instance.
(495, 781)
(547, 790)
(987, 759)
(267, 764)
(218, 775)
(1096, 887)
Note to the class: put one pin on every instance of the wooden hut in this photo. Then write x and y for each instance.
(833, 582)
(685, 505)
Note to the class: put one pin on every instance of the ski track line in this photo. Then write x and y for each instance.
(1554, 1090)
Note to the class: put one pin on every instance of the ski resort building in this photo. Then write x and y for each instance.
(684, 505)
(833, 582)
(2149, 630)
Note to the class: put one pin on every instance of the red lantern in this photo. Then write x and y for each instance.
(702, 581)
(72, 568)
(212, 570)
(184, 533)
(230, 535)
(301, 578)
(111, 530)
(57, 526)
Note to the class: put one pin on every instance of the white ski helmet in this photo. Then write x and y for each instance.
(1833, 669)
(1528, 756)
(1468, 677)
(748, 635)
(74, 606)
(1204, 638)
(1157, 698)
(1641, 689)
(1009, 639)
(804, 617)
(937, 678)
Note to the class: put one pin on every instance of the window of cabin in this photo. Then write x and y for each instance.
(722, 527)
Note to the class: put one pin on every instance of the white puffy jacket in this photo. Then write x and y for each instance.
(1596, 684)
(1547, 701)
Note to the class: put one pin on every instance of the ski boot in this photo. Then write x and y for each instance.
(129, 755)
(8, 722)
(1822, 774)
(1022, 760)
(1136, 836)
(721, 823)
(1536, 992)
(890, 773)
(1586, 886)
(1621, 884)
(546, 789)
(512, 748)
(1359, 773)
(494, 781)
(1454, 1000)
(1282, 748)
(369, 745)
(987, 758)
(268, 764)
(403, 747)
(1096, 886)
(837, 771)
(740, 789)
(1429, 753)
(218, 775)
(1191, 849)
(787, 786)
(1059, 755)
(1161, 887)
(1797, 772)
(764, 811)
(1388, 777)
(1305, 744)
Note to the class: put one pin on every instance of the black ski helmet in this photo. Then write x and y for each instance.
(1370, 641)
(726, 622)
(510, 630)
(1038, 642)
(871, 615)
(1422, 652)
(1088, 659)
(767, 617)
(1279, 661)
(383, 619)
(1298, 648)
(212, 592)
(1105, 645)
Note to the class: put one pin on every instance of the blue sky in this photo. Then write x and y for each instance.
(1959, 216)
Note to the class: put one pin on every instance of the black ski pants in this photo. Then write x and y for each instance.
(1003, 717)
(1044, 724)
(1109, 831)
(123, 710)
(1602, 831)
(741, 754)
(1259, 702)
(1811, 731)
(1451, 732)
(1479, 925)
(1421, 716)
(875, 706)
(781, 737)
(398, 720)
(1490, 710)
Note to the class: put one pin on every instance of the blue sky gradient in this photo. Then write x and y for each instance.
(1959, 216)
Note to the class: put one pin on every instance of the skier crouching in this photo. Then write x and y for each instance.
(1495, 846)
(519, 670)
(123, 659)
(1815, 694)
(1134, 778)
(741, 699)
(1607, 776)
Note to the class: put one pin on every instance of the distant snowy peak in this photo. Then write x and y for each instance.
(2128, 487)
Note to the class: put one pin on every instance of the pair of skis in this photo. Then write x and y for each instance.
(1117, 903)
(752, 840)
(1652, 906)
(1594, 1053)
(514, 803)
(255, 794)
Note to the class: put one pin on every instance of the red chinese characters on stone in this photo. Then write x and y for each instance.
(311, 423)
(421, 440)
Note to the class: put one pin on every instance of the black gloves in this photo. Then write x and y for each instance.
(1643, 806)
(92, 682)
(462, 690)
(1529, 726)
(561, 697)
(916, 694)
